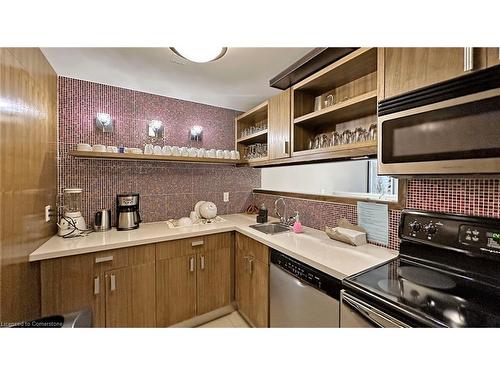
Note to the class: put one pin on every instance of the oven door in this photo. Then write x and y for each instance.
(355, 313)
(455, 136)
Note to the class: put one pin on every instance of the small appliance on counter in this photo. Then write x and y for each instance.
(102, 220)
(72, 224)
(127, 211)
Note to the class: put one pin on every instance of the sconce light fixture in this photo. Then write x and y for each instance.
(104, 122)
(155, 129)
(196, 133)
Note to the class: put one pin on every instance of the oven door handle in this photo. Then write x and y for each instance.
(371, 314)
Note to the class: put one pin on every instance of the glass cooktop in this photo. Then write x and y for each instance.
(438, 296)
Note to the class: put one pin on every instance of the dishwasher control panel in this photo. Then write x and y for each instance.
(308, 274)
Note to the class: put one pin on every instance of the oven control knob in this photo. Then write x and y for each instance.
(415, 226)
(431, 229)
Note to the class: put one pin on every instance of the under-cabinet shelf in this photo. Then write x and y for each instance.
(258, 137)
(183, 159)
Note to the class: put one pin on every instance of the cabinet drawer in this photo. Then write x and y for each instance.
(112, 259)
(250, 247)
(138, 255)
(217, 242)
(179, 248)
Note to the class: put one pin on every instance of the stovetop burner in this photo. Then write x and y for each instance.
(442, 278)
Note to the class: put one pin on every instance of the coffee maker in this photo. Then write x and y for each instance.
(127, 211)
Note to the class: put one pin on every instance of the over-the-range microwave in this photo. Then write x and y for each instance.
(452, 127)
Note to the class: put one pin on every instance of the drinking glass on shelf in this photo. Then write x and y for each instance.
(372, 131)
(336, 139)
(346, 137)
(329, 100)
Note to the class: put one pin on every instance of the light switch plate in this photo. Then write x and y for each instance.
(226, 196)
(48, 213)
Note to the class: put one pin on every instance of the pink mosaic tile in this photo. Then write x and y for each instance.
(167, 190)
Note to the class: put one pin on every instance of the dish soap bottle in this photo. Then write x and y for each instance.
(297, 225)
(262, 216)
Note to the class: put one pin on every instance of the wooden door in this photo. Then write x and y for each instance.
(118, 297)
(72, 283)
(143, 298)
(279, 125)
(213, 279)
(259, 287)
(181, 285)
(406, 69)
(242, 283)
(493, 57)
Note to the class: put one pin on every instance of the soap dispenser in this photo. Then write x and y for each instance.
(262, 216)
(297, 225)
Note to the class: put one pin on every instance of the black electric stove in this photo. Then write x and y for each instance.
(447, 273)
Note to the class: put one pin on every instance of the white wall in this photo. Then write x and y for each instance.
(324, 178)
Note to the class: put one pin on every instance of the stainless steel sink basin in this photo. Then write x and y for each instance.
(270, 228)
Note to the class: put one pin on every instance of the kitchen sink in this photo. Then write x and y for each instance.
(271, 228)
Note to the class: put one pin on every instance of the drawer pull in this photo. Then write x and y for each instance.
(197, 243)
(104, 259)
(191, 264)
(202, 261)
(97, 285)
(113, 283)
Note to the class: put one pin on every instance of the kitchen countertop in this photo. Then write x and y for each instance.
(312, 247)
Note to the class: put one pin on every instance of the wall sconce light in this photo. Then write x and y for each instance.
(155, 129)
(196, 133)
(104, 122)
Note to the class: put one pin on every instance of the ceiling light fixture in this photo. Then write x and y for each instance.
(200, 54)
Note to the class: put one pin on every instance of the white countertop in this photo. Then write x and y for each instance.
(312, 247)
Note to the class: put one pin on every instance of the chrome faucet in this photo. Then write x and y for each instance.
(284, 219)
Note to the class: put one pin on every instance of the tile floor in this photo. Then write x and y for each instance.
(233, 320)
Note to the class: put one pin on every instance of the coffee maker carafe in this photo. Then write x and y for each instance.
(127, 211)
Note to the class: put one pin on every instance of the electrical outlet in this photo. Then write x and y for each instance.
(226, 196)
(48, 213)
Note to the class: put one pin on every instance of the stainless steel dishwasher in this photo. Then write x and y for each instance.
(300, 295)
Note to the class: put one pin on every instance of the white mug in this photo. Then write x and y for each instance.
(175, 151)
(212, 153)
(166, 150)
(201, 152)
(193, 152)
(227, 154)
(148, 149)
(219, 154)
(237, 155)
(233, 154)
(83, 147)
(99, 148)
(157, 150)
(184, 151)
(111, 149)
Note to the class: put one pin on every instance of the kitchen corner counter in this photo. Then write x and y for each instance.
(312, 247)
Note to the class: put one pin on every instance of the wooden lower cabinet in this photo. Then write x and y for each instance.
(493, 57)
(119, 286)
(193, 277)
(252, 280)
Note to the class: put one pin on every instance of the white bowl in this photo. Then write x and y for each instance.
(184, 222)
(208, 210)
(166, 150)
(83, 147)
(99, 148)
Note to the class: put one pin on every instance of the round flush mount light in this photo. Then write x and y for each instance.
(200, 54)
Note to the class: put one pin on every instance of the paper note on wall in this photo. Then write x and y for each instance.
(374, 217)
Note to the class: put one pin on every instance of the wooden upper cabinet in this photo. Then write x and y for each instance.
(493, 56)
(279, 124)
(407, 69)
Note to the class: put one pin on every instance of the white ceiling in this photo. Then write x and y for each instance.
(240, 80)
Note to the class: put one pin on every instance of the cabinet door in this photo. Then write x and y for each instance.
(181, 286)
(213, 279)
(279, 126)
(143, 296)
(70, 284)
(259, 287)
(493, 56)
(407, 69)
(118, 297)
(242, 283)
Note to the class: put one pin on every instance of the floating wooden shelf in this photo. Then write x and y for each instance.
(359, 106)
(258, 137)
(184, 159)
(349, 147)
(257, 160)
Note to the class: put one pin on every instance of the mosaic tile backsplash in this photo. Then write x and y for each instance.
(476, 197)
(167, 190)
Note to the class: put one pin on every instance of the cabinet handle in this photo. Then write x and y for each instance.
(498, 53)
(97, 285)
(104, 259)
(468, 59)
(285, 147)
(112, 283)
(197, 243)
(250, 263)
(191, 264)
(202, 262)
